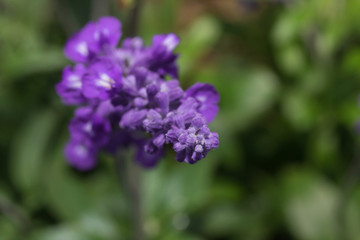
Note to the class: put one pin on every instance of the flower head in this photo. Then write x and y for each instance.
(124, 99)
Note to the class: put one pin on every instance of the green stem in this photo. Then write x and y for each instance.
(134, 18)
(130, 175)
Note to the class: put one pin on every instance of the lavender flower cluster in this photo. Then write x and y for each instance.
(123, 99)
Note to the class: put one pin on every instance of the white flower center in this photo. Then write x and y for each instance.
(105, 81)
(170, 42)
(82, 48)
(74, 81)
(81, 151)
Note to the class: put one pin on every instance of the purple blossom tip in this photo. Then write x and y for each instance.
(81, 155)
(69, 89)
(207, 98)
(95, 38)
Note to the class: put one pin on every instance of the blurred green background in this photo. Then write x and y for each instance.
(288, 162)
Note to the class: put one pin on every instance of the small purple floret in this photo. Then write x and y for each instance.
(70, 87)
(94, 39)
(81, 154)
(102, 81)
(207, 98)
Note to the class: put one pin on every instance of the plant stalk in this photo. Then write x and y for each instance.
(134, 18)
(130, 176)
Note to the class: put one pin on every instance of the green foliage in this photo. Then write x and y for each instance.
(28, 155)
(310, 206)
(288, 78)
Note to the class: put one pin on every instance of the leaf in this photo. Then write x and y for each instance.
(29, 147)
(257, 92)
(353, 216)
(34, 13)
(158, 18)
(324, 147)
(63, 193)
(310, 206)
(39, 60)
(292, 59)
(8, 230)
(197, 41)
(185, 189)
(245, 93)
(300, 109)
(59, 233)
(168, 192)
(222, 220)
(92, 226)
(70, 196)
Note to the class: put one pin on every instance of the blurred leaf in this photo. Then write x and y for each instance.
(353, 216)
(98, 227)
(245, 93)
(197, 41)
(14, 214)
(324, 146)
(222, 220)
(39, 60)
(349, 112)
(254, 92)
(300, 109)
(60, 233)
(180, 236)
(64, 194)
(34, 13)
(185, 188)
(286, 29)
(69, 197)
(292, 59)
(29, 149)
(311, 206)
(168, 192)
(314, 81)
(25, 57)
(351, 63)
(226, 191)
(158, 18)
(8, 230)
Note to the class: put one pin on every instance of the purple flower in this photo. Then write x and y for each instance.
(133, 119)
(81, 154)
(174, 91)
(108, 32)
(78, 46)
(102, 80)
(93, 39)
(127, 102)
(153, 122)
(70, 87)
(161, 56)
(207, 98)
(131, 55)
(147, 155)
(89, 126)
(194, 142)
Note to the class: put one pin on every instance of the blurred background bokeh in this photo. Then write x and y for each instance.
(288, 72)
